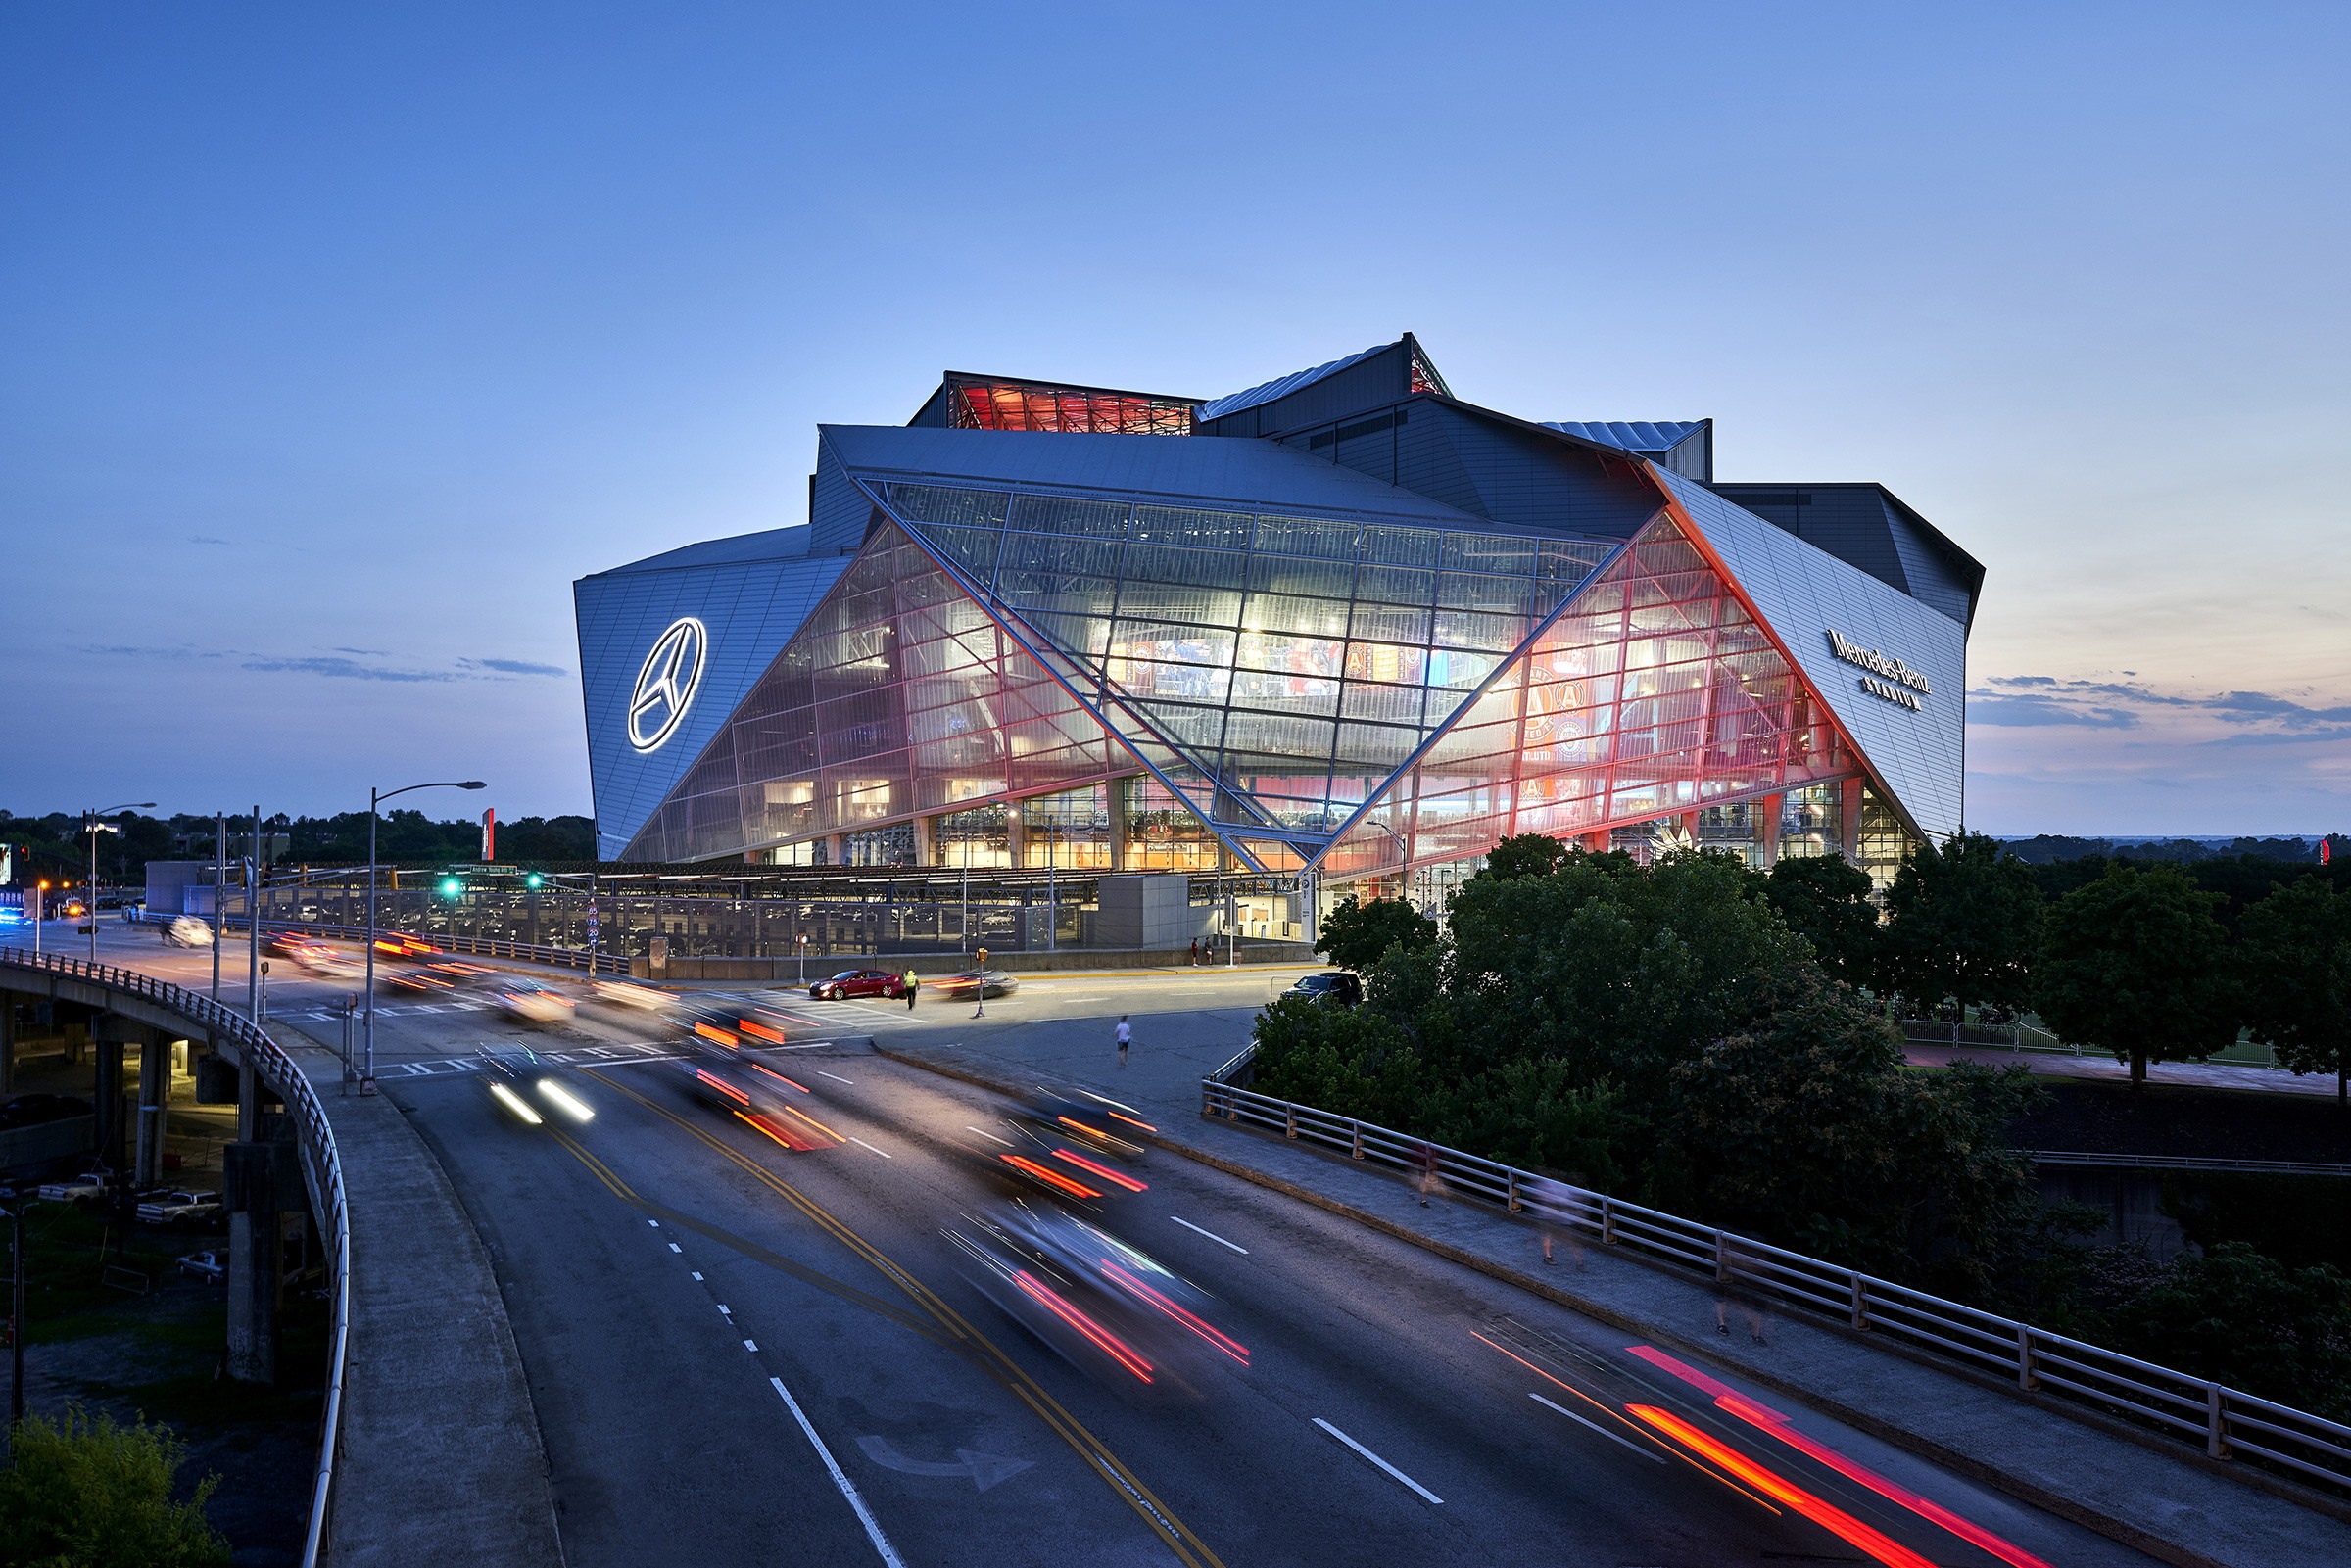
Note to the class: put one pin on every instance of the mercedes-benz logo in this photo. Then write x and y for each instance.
(665, 687)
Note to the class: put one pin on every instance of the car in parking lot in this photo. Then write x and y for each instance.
(87, 1187)
(858, 982)
(33, 1110)
(179, 1206)
(210, 1265)
(1329, 988)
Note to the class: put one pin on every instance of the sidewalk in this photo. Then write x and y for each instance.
(2058, 1065)
(2163, 1499)
(440, 1459)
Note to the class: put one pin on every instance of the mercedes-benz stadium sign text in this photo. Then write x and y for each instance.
(1889, 678)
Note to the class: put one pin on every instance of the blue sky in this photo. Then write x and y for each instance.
(337, 345)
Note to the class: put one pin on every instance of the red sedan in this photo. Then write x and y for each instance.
(858, 982)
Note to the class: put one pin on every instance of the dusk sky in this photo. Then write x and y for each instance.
(338, 345)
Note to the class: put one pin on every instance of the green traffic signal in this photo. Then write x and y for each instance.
(451, 887)
(532, 881)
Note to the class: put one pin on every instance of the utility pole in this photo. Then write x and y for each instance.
(253, 923)
(220, 893)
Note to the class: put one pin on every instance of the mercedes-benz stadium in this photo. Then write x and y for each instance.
(1343, 625)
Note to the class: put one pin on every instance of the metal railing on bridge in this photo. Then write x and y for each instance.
(323, 1173)
(2231, 1424)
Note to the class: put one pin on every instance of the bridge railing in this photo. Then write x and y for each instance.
(2229, 1423)
(467, 946)
(322, 1173)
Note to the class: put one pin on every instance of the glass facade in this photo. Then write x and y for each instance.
(1252, 651)
(1652, 698)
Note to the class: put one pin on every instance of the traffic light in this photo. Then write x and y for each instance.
(451, 887)
(533, 881)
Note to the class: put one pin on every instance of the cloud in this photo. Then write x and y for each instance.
(205, 539)
(126, 651)
(2030, 710)
(2022, 701)
(515, 666)
(371, 653)
(341, 669)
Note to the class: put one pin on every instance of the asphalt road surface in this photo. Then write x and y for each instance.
(700, 1307)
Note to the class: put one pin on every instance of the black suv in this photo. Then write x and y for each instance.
(1329, 988)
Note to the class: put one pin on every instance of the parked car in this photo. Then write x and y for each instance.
(529, 1001)
(179, 1206)
(991, 982)
(858, 982)
(88, 1187)
(33, 1110)
(210, 1266)
(189, 931)
(1329, 988)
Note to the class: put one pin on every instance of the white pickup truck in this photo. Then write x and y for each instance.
(179, 1207)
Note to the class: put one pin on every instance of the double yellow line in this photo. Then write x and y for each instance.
(952, 1329)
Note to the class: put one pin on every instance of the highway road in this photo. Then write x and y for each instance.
(740, 1350)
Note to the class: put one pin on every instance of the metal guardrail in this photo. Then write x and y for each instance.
(2258, 1168)
(2230, 1423)
(467, 946)
(322, 1172)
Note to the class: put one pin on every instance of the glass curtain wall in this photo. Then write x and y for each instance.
(1070, 831)
(1655, 696)
(899, 697)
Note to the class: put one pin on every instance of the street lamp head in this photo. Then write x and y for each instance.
(473, 783)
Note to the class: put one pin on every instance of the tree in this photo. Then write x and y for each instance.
(2296, 949)
(2136, 963)
(1355, 934)
(1963, 924)
(1825, 900)
(2245, 1319)
(1524, 855)
(86, 1493)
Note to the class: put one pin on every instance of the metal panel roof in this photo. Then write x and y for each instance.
(1632, 435)
(1246, 475)
(738, 549)
(1283, 386)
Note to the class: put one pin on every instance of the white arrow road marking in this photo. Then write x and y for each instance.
(984, 1469)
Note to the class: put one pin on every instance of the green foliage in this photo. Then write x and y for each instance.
(86, 1493)
(1524, 855)
(2135, 963)
(1354, 935)
(2295, 955)
(1825, 900)
(2242, 1318)
(1803, 1127)
(1964, 926)
(1658, 1031)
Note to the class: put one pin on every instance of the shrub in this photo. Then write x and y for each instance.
(86, 1493)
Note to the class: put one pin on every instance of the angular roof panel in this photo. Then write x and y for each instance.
(768, 545)
(1805, 594)
(1283, 386)
(1632, 435)
(1248, 475)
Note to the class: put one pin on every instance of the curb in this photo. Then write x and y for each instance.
(2110, 1525)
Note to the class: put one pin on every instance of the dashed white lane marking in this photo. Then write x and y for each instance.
(675, 1247)
(1596, 1427)
(750, 1347)
(726, 1311)
(1392, 1472)
(1006, 1142)
(655, 1223)
(1210, 1234)
(865, 1515)
(862, 1144)
(836, 1077)
(698, 1273)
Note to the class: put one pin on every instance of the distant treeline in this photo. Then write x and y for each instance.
(2044, 849)
(52, 845)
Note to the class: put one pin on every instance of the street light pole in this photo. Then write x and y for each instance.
(253, 923)
(376, 798)
(220, 893)
(91, 828)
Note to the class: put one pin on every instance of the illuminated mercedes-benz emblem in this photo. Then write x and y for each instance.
(665, 687)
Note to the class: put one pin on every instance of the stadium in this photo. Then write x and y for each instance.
(1342, 630)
